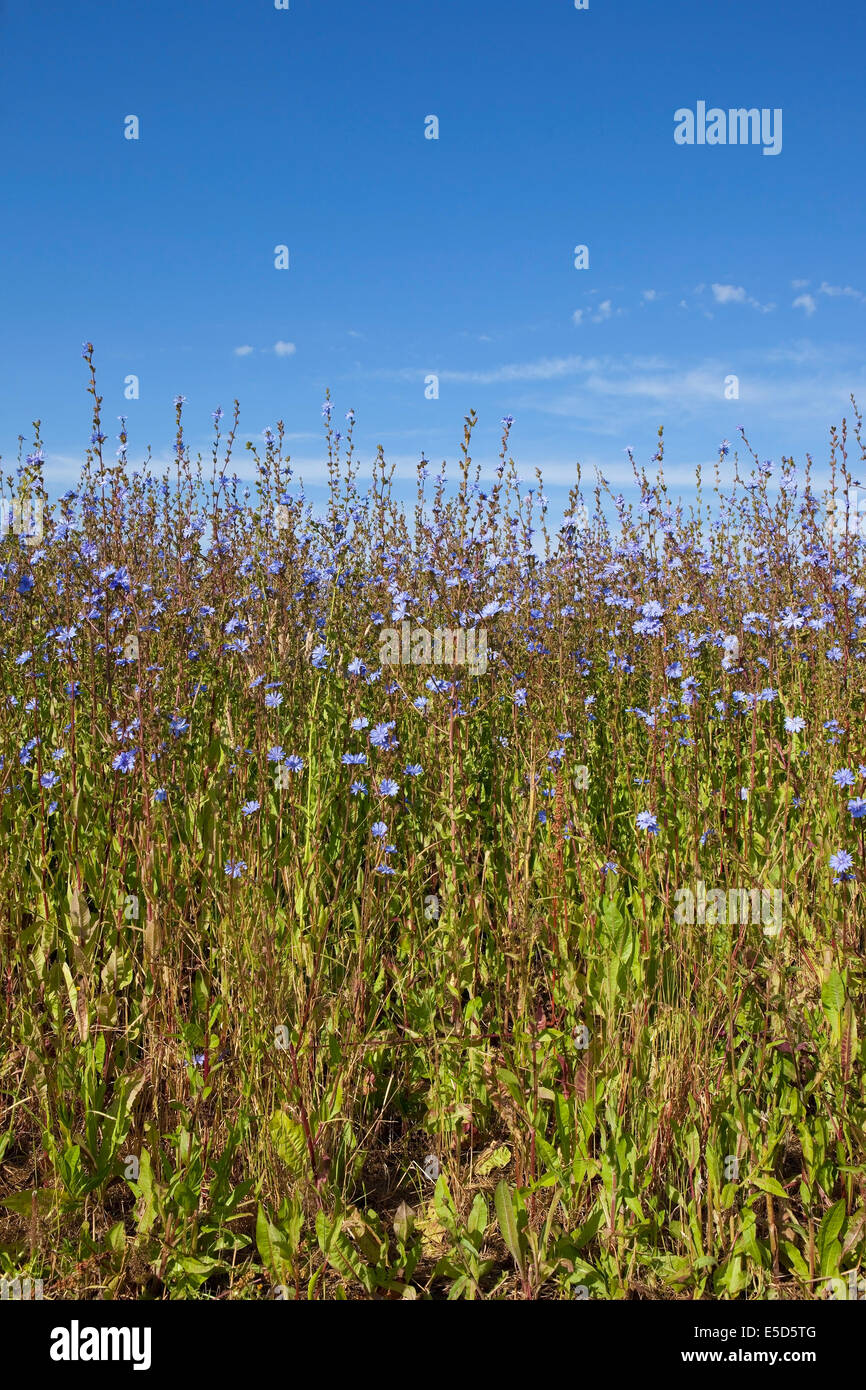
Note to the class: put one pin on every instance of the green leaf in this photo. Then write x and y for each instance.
(272, 1244)
(507, 1219)
(404, 1221)
(798, 1264)
(79, 913)
(288, 1139)
(71, 989)
(444, 1206)
(339, 1251)
(478, 1216)
(769, 1184)
(198, 1264)
(588, 1230)
(512, 1085)
(116, 1238)
(499, 1158)
(22, 1202)
(833, 992)
(613, 917)
(830, 1258)
(828, 1232)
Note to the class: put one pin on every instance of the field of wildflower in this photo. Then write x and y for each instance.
(329, 975)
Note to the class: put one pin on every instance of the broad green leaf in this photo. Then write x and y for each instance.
(828, 1233)
(769, 1184)
(290, 1143)
(507, 1219)
(833, 992)
(499, 1158)
(796, 1260)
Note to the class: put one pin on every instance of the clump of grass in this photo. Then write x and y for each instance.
(350, 980)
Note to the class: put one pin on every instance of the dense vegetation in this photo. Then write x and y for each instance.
(331, 979)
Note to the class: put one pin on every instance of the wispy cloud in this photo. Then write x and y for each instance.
(798, 379)
(729, 294)
(604, 311)
(736, 294)
(280, 349)
(805, 302)
(838, 291)
(545, 369)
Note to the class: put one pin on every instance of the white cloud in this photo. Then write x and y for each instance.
(650, 295)
(834, 291)
(290, 438)
(799, 284)
(620, 395)
(697, 385)
(735, 294)
(284, 349)
(806, 302)
(244, 351)
(613, 395)
(729, 294)
(605, 310)
(545, 369)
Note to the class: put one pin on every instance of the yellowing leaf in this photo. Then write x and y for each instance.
(493, 1158)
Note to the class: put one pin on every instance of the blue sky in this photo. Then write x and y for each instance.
(412, 256)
